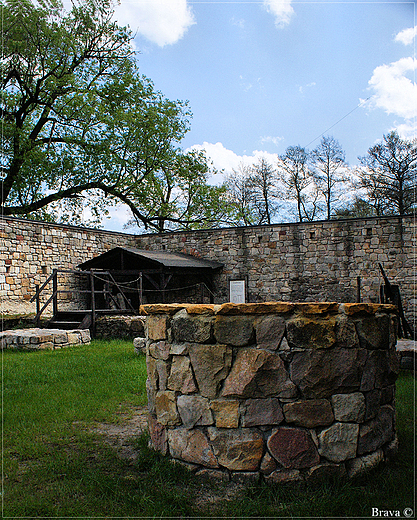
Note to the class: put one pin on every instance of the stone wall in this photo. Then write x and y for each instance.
(315, 261)
(279, 391)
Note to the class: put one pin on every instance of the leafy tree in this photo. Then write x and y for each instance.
(389, 175)
(178, 196)
(298, 182)
(328, 159)
(77, 117)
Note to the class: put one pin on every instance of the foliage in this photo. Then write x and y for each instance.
(78, 118)
(389, 175)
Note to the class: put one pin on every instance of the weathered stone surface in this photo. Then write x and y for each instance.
(258, 373)
(387, 395)
(234, 330)
(258, 412)
(179, 349)
(378, 371)
(282, 476)
(339, 442)
(307, 308)
(268, 464)
(269, 331)
(361, 465)
(161, 368)
(309, 413)
(226, 413)
(152, 371)
(309, 333)
(348, 407)
(374, 333)
(372, 404)
(346, 335)
(166, 408)
(151, 395)
(391, 449)
(159, 350)
(377, 432)
(237, 450)
(161, 308)
(191, 446)
(194, 410)
(205, 309)
(321, 373)
(218, 475)
(181, 378)
(236, 309)
(157, 327)
(293, 448)
(197, 329)
(139, 344)
(211, 364)
(365, 308)
(244, 477)
(157, 434)
(325, 471)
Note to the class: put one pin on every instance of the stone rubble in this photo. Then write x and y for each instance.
(43, 339)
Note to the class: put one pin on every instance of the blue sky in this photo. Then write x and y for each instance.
(264, 75)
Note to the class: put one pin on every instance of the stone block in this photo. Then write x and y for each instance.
(194, 410)
(198, 329)
(257, 373)
(361, 465)
(157, 326)
(191, 446)
(321, 472)
(269, 331)
(268, 464)
(322, 373)
(244, 477)
(374, 333)
(372, 403)
(226, 413)
(166, 408)
(151, 395)
(339, 442)
(293, 448)
(139, 344)
(234, 330)
(309, 413)
(181, 377)
(152, 371)
(348, 407)
(346, 335)
(378, 431)
(211, 365)
(237, 450)
(157, 433)
(159, 350)
(161, 368)
(283, 476)
(258, 412)
(308, 333)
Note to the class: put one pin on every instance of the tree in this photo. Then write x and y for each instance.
(240, 197)
(78, 119)
(389, 175)
(298, 182)
(327, 159)
(263, 189)
(178, 196)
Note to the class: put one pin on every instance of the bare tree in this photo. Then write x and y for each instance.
(389, 175)
(298, 182)
(240, 196)
(263, 183)
(328, 159)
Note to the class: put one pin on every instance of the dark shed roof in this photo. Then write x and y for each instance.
(143, 259)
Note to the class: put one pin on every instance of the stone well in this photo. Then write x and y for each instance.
(279, 391)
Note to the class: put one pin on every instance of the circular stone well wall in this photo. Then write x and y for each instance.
(279, 391)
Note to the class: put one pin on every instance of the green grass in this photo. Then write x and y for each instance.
(54, 465)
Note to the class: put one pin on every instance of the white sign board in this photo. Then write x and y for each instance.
(237, 291)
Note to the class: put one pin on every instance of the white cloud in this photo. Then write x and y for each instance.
(227, 160)
(406, 36)
(271, 139)
(396, 93)
(282, 11)
(163, 22)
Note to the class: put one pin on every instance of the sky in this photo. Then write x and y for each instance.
(264, 75)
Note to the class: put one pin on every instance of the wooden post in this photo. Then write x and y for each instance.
(93, 305)
(140, 289)
(55, 291)
(38, 305)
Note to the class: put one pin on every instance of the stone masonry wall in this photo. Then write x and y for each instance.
(315, 261)
(278, 391)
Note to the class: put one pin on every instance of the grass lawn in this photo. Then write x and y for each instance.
(55, 464)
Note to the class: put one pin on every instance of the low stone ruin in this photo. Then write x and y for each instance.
(278, 391)
(42, 339)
